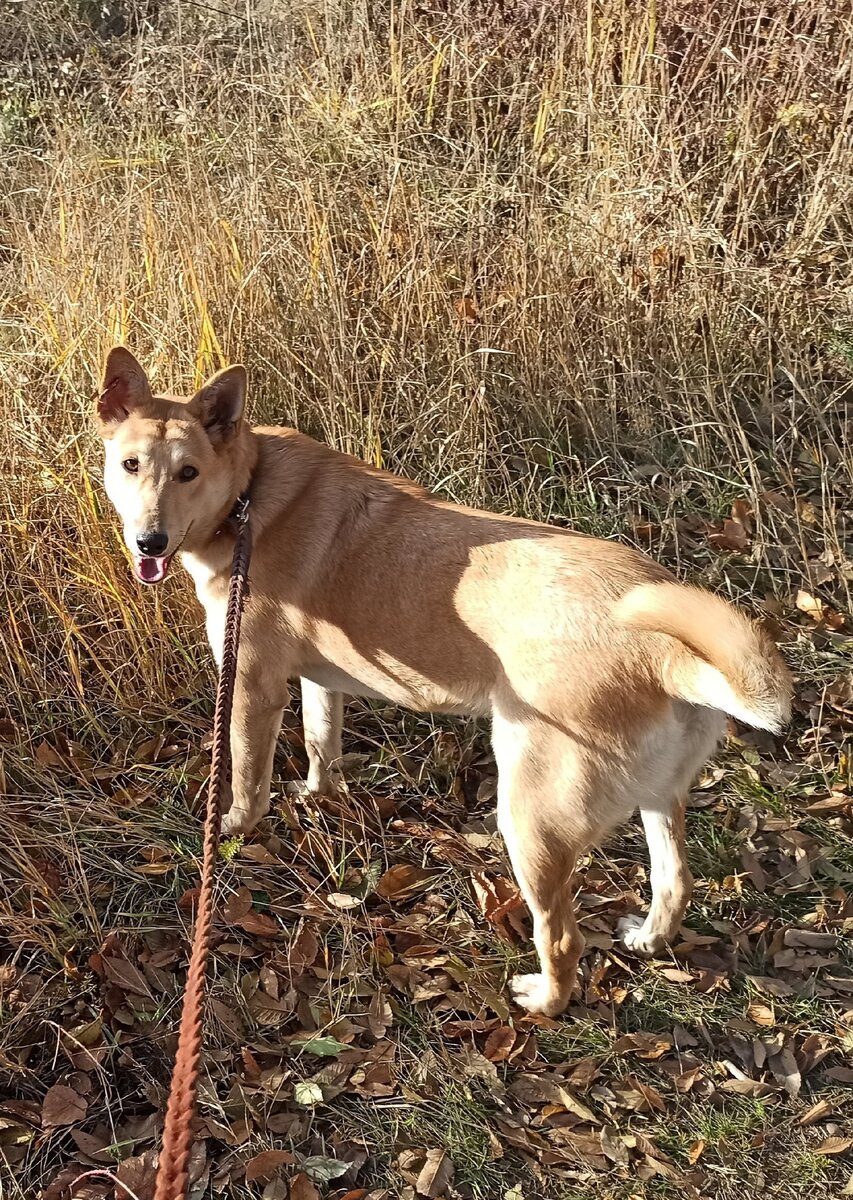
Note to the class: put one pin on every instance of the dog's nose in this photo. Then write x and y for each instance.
(152, 544)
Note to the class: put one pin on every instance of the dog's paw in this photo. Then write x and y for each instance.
(322, 782)
(238, 820)
(297, 789)
(536, 994)
(313, 788)
(636, 938)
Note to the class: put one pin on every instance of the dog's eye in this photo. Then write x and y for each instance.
(187, 473)
(131, 465)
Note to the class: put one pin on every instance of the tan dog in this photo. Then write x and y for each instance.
(605, 680)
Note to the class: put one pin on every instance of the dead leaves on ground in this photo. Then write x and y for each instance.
(402, 881)
(467, 310)
(500, 902)
(430, 1171)
(819, 611)
(749, 534)
(338, 935)
(733, 532)
(62, 1106)
(284, 1055)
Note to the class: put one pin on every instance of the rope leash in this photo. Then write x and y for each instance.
(173, 1171)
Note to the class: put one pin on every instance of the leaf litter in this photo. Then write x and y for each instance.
(284, 1052)
(360, 1040)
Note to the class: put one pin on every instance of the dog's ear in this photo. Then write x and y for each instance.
(125, 386)
(218, 405)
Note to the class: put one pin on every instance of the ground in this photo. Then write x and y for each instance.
(585, 264)
(359, 1016)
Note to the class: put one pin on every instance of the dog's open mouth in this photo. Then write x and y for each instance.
(152, 570)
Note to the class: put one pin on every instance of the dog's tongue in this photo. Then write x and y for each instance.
(153, 570)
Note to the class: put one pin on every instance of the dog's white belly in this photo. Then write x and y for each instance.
(329, 676)
(398, 686)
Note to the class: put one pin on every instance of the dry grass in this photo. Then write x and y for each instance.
(586, 263)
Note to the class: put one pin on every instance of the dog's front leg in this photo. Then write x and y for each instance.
(322, 719)
(255, 724)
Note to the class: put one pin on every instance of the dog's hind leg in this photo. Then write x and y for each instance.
(322, 721)
(543, 853)
(670, 878)
(700, 729)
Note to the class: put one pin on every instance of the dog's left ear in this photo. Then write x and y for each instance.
(218, 405)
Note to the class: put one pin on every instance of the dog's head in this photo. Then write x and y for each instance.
(168, 467)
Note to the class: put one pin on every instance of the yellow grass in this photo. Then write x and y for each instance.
(657, 257)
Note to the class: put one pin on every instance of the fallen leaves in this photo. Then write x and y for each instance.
(734, 532)
(9, 730)
(760, 1014)
(402, 880)
(323, 1047)
(323, 1169)
(266, 1165)
(336, 939)
(259, 925)
(501, 903)
(123, 974)
(431, 1171)
(380, 1016)
(62, 1106)
(467, 310)
(809, 939)
(696, 1151)
(816, 1112)
(638, 1096)
(649, 1046)
(783, 1065)
(500, 1043)
(308, 1093)
(436, 1174)
(301, 1188)
(834, 1145)
(137, 1176)
(819, 611)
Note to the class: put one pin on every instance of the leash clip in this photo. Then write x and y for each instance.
(241, 509)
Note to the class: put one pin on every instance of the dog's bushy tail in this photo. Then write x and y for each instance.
(722, 660)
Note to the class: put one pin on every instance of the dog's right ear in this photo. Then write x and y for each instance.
(125, 386)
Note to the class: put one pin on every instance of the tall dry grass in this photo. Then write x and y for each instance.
(567, 261)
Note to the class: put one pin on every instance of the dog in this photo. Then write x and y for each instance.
(606, 681)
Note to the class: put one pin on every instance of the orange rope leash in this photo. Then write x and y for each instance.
(173, 1171)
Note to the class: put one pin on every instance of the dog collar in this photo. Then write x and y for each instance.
(239, 514)
(240, 511)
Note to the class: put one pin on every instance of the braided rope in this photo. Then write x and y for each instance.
(173, 1171)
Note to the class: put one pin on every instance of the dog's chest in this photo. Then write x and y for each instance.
(210, 585)
(212, 590)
